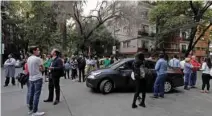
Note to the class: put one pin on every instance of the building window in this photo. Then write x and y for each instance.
(184, 35)
(183, 47)
(126, 44)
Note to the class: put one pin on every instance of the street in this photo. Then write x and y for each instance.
(83, 102)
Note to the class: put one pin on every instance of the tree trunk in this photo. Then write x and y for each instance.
(192, 36)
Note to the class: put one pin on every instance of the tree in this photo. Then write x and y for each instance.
(103, 12)
(172, 16)
(35, 23)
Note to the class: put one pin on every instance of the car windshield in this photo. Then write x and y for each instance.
(116, 64)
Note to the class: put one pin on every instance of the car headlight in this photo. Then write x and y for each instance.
(95, 73)
(91, 76)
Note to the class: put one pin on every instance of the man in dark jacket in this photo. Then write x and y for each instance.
(81, 66)
(56, 70)
(139, 80)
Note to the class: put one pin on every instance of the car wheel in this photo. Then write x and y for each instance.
(106, 86)
(167, 86)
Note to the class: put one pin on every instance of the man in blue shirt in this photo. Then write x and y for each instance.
(161, 69)
(174, 62)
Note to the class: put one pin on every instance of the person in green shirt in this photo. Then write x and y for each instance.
(106, 62)
(47, 64)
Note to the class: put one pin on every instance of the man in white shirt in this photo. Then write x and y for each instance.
(182, 63)
(35, 67)
(174, 62)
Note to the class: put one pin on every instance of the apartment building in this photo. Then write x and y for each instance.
(202, 48)
(134, 33)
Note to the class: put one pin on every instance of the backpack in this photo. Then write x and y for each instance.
(23, 79)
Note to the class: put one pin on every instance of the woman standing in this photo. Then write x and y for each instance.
(67, 67)
(187, 73)
(26, 71)
(140, 81)
(206, 66)
(9, 70)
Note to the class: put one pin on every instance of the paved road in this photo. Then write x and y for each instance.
(83, 102)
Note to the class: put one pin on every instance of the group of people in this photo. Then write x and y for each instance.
(52, 67)
(189, 66)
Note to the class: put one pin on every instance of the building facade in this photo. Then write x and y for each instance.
(134, 32)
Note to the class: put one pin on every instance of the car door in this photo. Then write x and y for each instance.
(151, 77)
(125, 71)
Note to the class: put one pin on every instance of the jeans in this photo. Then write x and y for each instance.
(35, 91)
(159, 85)
(28, 92)
(193, 79)
(187, 79)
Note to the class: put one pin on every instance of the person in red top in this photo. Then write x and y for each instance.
(196, 66)
(26, 71)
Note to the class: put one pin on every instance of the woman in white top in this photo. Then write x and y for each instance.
(206, 66)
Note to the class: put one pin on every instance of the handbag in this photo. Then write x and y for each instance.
(23, 79)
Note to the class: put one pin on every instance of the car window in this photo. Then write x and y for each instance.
(150, 64)
(128, 65)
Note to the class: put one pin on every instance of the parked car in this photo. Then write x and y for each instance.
(118, 75)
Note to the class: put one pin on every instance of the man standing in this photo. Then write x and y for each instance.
(35, 67)
(196, 65)
(161, 69)
(174, 62)
(9, 70)
(56, 70)
(81, 66)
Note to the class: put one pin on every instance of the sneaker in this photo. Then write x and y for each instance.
(154, 96)
(142, 105)
(30, 112)
(206, 91)
(161, 96)
(38, 114)
(134, 106)
(193, 87)
(202, 91)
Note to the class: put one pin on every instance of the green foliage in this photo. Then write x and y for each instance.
(35, 22)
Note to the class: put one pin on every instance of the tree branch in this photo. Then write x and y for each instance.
(208, 4)
(193, 8)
